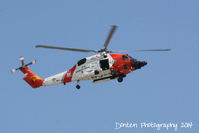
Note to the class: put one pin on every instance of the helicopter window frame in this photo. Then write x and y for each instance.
(81, 62)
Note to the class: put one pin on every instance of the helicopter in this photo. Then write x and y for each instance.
(105, 65)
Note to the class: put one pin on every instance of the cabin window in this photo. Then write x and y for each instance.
(82, 61)
(104, 64)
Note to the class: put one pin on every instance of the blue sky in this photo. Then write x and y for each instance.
(164, 91)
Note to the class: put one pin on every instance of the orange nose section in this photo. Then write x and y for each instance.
(32, 79)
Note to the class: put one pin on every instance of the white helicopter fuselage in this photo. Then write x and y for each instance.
(90, 68)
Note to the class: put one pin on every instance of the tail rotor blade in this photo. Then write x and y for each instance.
(31, 63)
(21, 58)
(13, 70)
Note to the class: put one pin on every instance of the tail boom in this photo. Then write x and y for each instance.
(35, 81)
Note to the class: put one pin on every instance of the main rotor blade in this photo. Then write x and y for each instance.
(152, 50)
(144, 50)
(113, 28)
(63, 48)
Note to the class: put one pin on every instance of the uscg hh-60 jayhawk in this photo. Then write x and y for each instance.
(104, 66)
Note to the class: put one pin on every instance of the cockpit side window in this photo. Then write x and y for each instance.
(124, 57)
(82, 61)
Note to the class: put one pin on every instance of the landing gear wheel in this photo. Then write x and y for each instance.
(78, 86)
(120, 79)
(96, 72)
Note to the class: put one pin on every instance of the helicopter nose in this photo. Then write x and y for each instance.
(138, 64)
(143, 63)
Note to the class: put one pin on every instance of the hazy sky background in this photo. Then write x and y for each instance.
(164, 91)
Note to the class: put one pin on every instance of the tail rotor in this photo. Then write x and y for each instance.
(23, 65)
